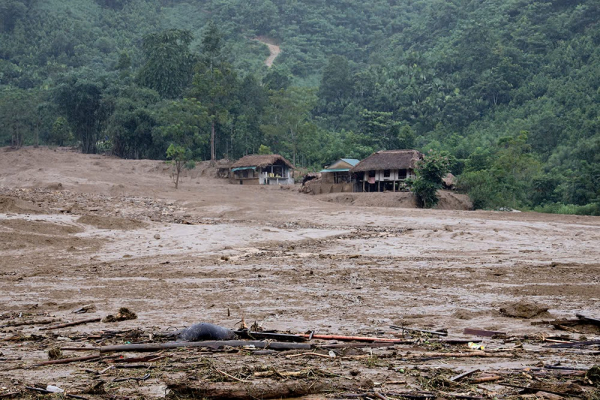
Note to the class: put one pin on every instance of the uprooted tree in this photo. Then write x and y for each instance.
(430, 171)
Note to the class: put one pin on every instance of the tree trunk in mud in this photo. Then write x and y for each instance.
(260, 390)
(212, 144)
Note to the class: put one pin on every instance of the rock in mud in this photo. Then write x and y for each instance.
(524, 310)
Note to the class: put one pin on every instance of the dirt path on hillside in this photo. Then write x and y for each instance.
(79, 230)
(273, 49)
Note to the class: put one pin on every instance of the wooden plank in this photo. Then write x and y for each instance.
(482, 332)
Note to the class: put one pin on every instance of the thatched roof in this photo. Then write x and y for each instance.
(257, 160)
(389, 159)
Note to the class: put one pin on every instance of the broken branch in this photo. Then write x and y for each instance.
(68, 360)
(85, 321)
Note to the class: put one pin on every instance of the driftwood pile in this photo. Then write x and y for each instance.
(405, 363)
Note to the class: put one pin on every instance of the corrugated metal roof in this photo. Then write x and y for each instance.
(336, 170)
(242, 168)
(351, 161)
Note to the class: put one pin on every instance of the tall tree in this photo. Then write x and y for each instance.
(287, 118)
(214, 82)
(81, 102)
(169, 62)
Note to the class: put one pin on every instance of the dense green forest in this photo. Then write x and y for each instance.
(509, 90)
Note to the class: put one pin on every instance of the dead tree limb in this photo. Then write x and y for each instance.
(469, 354)
(212, 344)
(32, 322)
(353, 338)
(85, 321)
(68, 360)
(464, 375)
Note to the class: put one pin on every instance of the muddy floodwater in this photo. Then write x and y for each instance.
(94, 231)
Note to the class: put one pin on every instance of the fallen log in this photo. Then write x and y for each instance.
(574, 344)
(31, 322)
(282, 337)
(85, 321)
(569, 390)
(212, 344)
(360, 345)
(469, 354)
(564, 322)
(260, 390)
(353, 338)
(484, 379)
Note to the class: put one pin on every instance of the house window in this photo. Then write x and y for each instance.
(386, 173)
(245, 173)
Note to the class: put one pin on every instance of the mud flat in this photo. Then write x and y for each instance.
(115, 234)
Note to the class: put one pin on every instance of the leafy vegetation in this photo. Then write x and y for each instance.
(430, 172)
(510, 90)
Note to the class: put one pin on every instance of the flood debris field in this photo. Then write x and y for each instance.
(482, 304)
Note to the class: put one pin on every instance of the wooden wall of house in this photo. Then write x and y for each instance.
(320, 187)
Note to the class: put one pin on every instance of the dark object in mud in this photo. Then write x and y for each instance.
(593, 321)
(55, 353)
(123, 315)
(205, 331)
(593, 375)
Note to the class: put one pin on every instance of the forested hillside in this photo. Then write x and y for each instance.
(509, 89)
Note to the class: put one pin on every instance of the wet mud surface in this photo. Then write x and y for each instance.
(115, 234)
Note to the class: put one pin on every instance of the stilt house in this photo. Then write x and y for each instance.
(268, 169)
(339, 171)
(385, 170)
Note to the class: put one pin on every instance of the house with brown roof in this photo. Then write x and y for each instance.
(385, 170)
(267, 169)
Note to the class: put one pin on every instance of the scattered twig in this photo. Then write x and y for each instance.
(143, 378)
(464, 375)
(231, 376)
(403, 328)
(106, 369)
(308, 354)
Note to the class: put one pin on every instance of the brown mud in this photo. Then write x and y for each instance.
(116, 234)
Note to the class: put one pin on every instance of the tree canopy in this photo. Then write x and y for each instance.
(510, 90)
